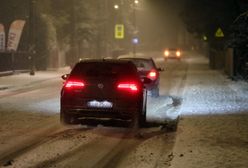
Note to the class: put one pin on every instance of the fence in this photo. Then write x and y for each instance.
(11, 61)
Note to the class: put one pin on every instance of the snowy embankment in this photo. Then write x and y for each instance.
(210, 92)
(213, 131)
(161, 109)
(24, 80)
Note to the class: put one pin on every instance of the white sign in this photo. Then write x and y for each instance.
(15, 33)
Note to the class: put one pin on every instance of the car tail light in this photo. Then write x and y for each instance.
(128, 86)
(178, 53)
(166, 53)
(73, 84)
(153, 74)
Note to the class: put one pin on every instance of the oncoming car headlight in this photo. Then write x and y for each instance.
(178, 53)
(166, 53)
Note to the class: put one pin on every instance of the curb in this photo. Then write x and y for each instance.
(6, 73)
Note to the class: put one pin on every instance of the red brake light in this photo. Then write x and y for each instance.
(74, 84)
(130, 86)
(152, 75)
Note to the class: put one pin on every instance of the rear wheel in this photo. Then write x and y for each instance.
(171, 126)
(66, 119)
(139, 117)
(143, 113)
(135, 121)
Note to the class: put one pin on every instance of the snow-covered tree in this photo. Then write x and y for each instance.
(239, 35)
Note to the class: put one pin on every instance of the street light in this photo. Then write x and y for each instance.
(116, 7)
(135, 39)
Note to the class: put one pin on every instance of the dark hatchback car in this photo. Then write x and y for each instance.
(147, 68)
(103, 90)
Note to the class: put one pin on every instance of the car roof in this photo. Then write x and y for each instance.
(123, 62)
(103, 60)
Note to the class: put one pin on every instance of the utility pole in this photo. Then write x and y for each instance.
(32, 41)
(99, 31)
(74, 54)
(106, 23)
(135, 26)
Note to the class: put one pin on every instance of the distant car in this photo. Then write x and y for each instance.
(172, 53)
(103, 90)
(147, 68)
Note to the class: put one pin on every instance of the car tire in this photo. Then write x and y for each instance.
(143, 113)
(139, 117)
(171, 126)
(66, 119)
(135, 120)
(155, 92)
(142, 120)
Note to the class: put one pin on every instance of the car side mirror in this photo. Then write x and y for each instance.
(146, 80)
(160, 69)
(65, 76)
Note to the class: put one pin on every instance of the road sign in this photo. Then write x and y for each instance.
(119, 31)
(205, 38)
(219, 33)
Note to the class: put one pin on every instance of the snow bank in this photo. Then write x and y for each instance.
(214, 131)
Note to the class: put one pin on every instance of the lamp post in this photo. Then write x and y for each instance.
(73, 34)
(32, 44)
(135, 39)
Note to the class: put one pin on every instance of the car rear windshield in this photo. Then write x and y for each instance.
(105, 69)
(143, 64)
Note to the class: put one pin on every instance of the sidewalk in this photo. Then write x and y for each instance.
(18, 80)
(213, 130)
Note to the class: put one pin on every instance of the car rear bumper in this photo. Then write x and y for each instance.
(79, 108)
(89, 113)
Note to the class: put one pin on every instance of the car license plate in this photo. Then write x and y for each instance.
(100, 104)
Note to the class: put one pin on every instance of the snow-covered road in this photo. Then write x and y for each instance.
(212, 132)
(31, 135)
